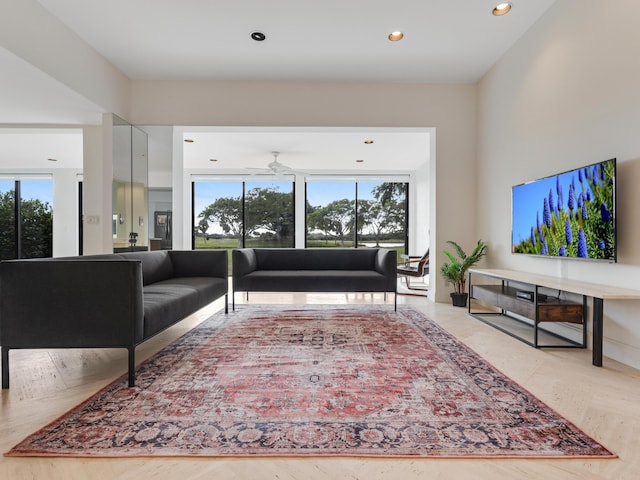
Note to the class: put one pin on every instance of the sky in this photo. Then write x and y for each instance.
(40, 189)
(527, 200)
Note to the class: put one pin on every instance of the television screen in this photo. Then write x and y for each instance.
(571, 214)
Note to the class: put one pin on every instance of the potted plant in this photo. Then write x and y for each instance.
(455, 270)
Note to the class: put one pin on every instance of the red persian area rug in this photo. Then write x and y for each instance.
(314, 380)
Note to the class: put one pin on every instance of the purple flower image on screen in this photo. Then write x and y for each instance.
(601, 244)
(572, 210)
(582, 245)
(571, 202)
(546, 213)
(568, 234)
(604, 213)
(560, 205)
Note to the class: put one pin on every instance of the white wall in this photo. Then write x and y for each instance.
(420, 206)
(567, 94)
(65, 212)
(97, 175)
(29, 31)
(449, 109)
(160, 146)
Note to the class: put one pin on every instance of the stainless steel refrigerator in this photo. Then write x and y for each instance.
(162, 228)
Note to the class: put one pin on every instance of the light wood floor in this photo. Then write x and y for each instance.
(605, 402)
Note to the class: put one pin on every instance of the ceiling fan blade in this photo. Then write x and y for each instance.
(277, 168)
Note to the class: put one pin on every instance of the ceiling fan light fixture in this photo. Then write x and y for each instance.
(396, 36)
(501, 9)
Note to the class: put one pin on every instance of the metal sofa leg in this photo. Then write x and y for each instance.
(132, 366)
(5, 367)
(226, 303)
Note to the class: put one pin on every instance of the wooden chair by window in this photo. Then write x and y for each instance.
(414, 267)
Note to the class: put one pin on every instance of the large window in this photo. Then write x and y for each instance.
(382, 214)
(331, 214)
(348, 213)
(269, 214)
(234, 213)
(26, 218)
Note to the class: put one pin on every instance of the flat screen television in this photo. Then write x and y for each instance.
(568, 215)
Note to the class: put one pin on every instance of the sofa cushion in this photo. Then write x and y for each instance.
(315, 259)
(156, 265)
(168, 300)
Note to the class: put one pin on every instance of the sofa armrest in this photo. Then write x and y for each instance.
(49, 303)
(200, 263)
(386, 264)
(243, 262)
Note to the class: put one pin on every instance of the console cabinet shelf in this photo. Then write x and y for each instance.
(549, 310)
(529, 312)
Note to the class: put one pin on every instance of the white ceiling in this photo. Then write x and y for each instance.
(26, 149)
(333, 40)
(447, 41)
(308, 149)
(29, 96)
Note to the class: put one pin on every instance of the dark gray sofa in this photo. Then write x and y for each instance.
(314, 270)
(104, 301)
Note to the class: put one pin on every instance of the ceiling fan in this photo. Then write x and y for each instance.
(276, 168)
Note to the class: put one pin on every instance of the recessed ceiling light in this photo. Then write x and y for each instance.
(368, 142)
(188, 140)
(501, 9)
(396, 36)
(258, 36)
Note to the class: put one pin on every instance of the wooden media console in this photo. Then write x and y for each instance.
(530, 306)
(514, 296)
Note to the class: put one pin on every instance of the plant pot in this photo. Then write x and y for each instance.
(459, 299)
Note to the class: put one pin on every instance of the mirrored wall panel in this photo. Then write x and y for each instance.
(130, 187)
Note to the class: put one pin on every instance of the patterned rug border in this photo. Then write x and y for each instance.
(404, 309)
